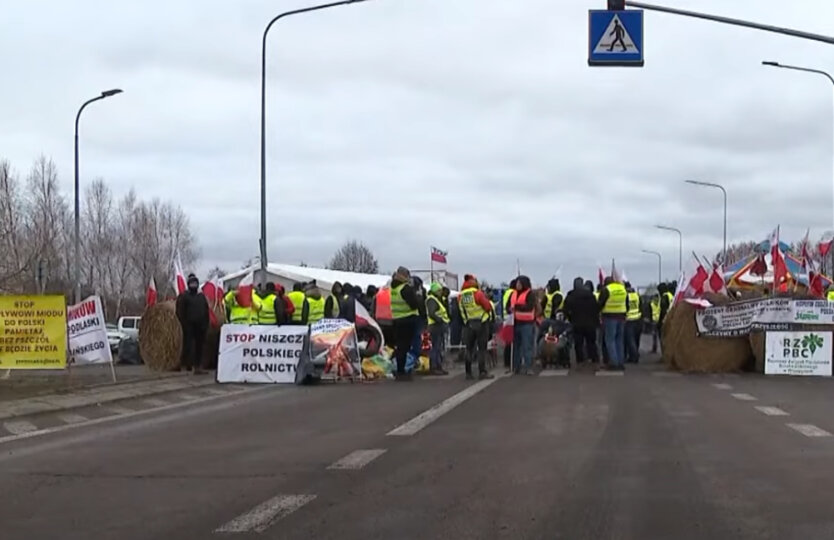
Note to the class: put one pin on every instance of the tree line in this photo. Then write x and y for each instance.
(124, 241)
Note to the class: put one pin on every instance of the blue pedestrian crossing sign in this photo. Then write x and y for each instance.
(615, 38)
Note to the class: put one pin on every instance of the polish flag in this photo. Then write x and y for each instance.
(364, 318)
(438, 256)
(179, 276)
(696, 285)
(244, 290)
(150, 296)
(679, 292)
(780, 269)
(815, 285)
(824, 245)
(716, 279)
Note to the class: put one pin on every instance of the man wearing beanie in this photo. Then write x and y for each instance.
(404, 314)
(193, 314)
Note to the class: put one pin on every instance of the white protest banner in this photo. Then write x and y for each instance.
(87, 333)
(739, 318)
(334, 345)
(798, 353)
(260, 353)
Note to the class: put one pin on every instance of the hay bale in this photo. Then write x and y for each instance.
(690, 353)
(160, 337)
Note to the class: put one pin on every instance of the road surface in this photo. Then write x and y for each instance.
(647, 455)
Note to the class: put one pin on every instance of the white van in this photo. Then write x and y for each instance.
(129, 326)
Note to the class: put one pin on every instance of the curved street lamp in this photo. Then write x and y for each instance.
(263, 113)
(680, 244)
(77, 196)
(659, 263)
(724, 191)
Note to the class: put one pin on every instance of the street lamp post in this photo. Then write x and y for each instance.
(105, 94)
(806, 70)
(724, 191)
(659, 264)
(680, 244)
(263, 114)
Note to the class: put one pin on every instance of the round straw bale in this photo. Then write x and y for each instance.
(160, 337)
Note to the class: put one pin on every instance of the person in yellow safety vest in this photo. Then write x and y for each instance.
(315, 303)
(830, 294)
(331, 304)
(553, 300)
(655, 305)
(613, 303)
(405, 305)
(475, 310)
(267, 313)
(236, 313)
(301, 309)
(438, 319)
(505, 309)
(633, 326)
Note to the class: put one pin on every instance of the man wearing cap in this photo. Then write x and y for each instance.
(476, 311)
(193, 314)
(438, 318)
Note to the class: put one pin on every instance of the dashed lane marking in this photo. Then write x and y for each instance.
(427, 417)
(772, 411)
(554, 373)
(722, 386)
(71, 418)
(809, 430)
(744, 397)
(265, 514)
(19, 427)
(358, 459)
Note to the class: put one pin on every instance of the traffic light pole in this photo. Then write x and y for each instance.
(725, 20)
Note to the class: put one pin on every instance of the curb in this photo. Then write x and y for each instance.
(96, 395)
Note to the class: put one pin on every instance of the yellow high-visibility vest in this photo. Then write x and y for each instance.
(267, 313)
(470, 310)
(316, 309)
(399, 307)
(297, 298)
(655, 310)
(616, 302)
(633, 313)
(441, 310)
(335, 313)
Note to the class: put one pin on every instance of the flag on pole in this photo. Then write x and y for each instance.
(600, 275)
(679, 292)
(364, 318)
(438, 255)
(614, 275)
(824, 245)
(179, 275)
(780, 269)
(716, 279)
(150, 296)
(815, 285)
(697, 283)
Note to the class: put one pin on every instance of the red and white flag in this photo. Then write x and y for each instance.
(244, 290)
(815, 285)
(601, 275)
(679, 292)
(438, 255)
(780, 269)
(697, 283)
(824, 245)
(179, 276)
(150, 296)
(716, 279)
(805, 253)
(364, 318)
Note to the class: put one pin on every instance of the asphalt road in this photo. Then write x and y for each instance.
(578, 456)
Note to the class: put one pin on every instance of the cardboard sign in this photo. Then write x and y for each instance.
(260, 354)
(805, 353)
(33, 332)
(87, 333)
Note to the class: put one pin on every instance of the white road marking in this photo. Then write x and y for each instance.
(19, 427)
(72, 418)
(554, 373)
(427, 417)
(744, 397)
(606, 373)
(809, 430)
(772, 411)
(26, 434)
(156, 402)
(266, 514)
(722, 386)
(358, 459)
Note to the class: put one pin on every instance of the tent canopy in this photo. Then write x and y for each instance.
(287, 275)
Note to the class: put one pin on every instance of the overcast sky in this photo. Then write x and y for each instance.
(473, 125)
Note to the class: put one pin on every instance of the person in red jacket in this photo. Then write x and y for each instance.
(476, 311)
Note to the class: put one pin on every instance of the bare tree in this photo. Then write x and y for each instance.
(216, 272)
(354, 256)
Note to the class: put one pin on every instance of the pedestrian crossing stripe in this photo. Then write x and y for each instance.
(615, 39)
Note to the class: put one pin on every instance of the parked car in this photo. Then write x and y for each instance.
(129, 326)
(114, 336)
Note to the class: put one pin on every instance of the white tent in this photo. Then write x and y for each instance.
(288, 275)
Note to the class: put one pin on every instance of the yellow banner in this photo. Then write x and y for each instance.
(33, 332)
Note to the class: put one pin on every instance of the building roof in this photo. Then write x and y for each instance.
(324, 278)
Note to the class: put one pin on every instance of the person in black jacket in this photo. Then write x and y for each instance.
(582, 311)
(193, 314)
(403, 328)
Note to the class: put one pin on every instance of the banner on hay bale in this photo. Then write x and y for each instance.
(805, 353)
(260, 354)
(333, 343)
(33, 332)
(739, 318)
(87, 333)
